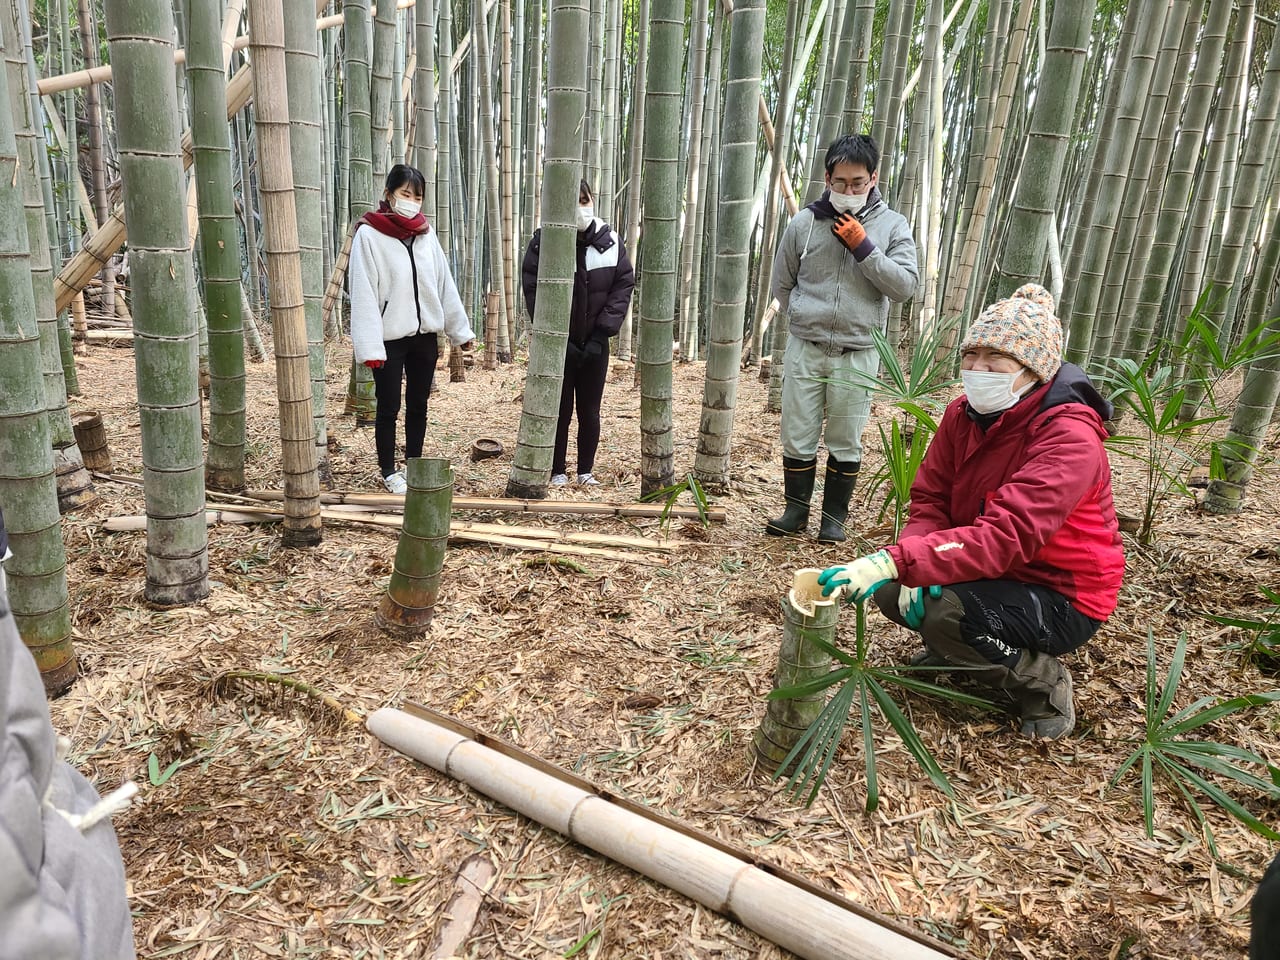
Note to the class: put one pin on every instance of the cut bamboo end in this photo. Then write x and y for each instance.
(805, 594)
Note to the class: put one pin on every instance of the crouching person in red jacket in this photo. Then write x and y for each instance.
(1012, 554)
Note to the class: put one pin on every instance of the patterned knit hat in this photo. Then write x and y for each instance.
(1024, 327)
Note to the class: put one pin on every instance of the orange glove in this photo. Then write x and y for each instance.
(373, 364)
(848, 231)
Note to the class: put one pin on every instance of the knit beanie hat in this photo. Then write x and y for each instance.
(1024, 327)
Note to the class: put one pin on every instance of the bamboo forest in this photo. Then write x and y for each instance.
(414, 517)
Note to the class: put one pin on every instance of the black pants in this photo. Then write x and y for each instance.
(413, 361)
(584, 375)
(1004, 617)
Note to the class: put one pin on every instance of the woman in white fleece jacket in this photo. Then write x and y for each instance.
(402, 298)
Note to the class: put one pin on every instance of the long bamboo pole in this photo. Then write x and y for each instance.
(796, 917)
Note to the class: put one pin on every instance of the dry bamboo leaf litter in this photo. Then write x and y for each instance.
(550, 657)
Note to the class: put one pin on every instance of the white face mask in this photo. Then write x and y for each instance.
(585, 216)
(989, 392)
(407, 208)
(847, 202)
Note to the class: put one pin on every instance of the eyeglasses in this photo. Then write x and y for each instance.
(857, 185)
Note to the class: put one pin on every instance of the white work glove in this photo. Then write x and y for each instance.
(911, 603)
(859, 579)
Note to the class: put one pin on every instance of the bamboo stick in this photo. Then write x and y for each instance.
(517, 538)
(788, 914)
(584, 508)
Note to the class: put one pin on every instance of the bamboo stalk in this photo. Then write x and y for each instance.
(804, 615)
(408, 605)
(789, 914)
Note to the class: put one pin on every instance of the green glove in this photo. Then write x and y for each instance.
(856, 581)
(911, 603)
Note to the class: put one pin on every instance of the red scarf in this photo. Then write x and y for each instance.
(385, 220)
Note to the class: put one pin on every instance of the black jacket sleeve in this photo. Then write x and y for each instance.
(529, 271)
(615, 307)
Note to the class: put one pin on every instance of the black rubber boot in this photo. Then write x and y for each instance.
(840, 480)
(797, 482)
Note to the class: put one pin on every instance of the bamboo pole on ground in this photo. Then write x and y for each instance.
(805, 614)
(410, 601)
(792, 915)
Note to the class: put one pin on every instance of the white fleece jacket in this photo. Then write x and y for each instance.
(383, 306)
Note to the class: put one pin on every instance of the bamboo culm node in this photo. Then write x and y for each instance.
(410, 600)
(805, 614)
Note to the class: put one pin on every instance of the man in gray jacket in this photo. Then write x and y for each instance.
(840, 262)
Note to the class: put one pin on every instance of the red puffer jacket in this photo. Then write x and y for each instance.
(1028, 499)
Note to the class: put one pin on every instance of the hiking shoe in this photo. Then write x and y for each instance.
(396, 483)
(559, 480)
(1058, 725)
(587, 480)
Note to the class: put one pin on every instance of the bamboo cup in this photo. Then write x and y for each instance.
(805, 614)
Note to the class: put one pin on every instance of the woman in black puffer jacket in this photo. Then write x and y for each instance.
(602, 288)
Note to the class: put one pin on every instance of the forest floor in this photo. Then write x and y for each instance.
(280, 833)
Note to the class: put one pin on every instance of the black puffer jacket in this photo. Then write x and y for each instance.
(602, 284)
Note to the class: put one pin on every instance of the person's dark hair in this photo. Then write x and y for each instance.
(853, 148)
(584, 187)
(401, 174)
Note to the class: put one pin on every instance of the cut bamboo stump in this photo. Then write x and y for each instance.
(91, 437)
(410, 600)
(805, 614)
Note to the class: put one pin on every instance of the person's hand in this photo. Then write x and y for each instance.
(374, 364)
(911, 603)
(468, 346)
(848, 230)
(859, 579)
(595, 346)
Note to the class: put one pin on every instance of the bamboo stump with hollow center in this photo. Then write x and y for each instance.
(91, 437)
(410, 600)
(805, 614)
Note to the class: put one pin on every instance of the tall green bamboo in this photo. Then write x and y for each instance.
(424, 99)
(219, 247)
(605, 191)
(1178, 190)
(860, 54)
(75, 487)
(704, 212)
(1053, 116)
(1248, 194)
(444, 143)
(489, 152)
(532, 119)
(664, 84)
(557, 258)
(1165, 137)
(1135, 81)
(28, 490)
(812, 117)
(635, 162)
(772, 197)
(1107, 321)
(507, 177)
(834, 98)
(284, 275)
(737, 177)
(595, 60)
(361, 190)
(97, 161)
(692, 198)
(140, 34)
(305, 88)
(384, 49)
